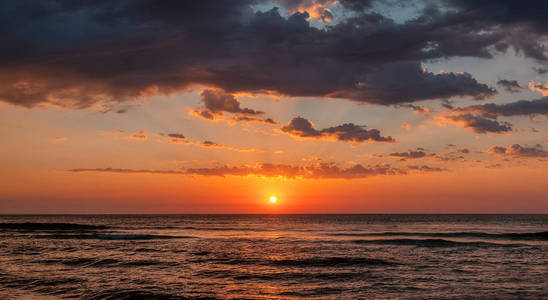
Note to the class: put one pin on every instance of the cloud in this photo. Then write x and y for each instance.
(318, 171)
(59, 138)
(141, 135)
(349, 132)
(511, 86)
(130, 171)
(517, 150)
(411, 154)
(539, 87)
(111, 52)
(483, 118)
(301, 127)
(417, 109)
(179, 138)
(425, 169)
(210, 144)
(245, 119)
(217, 102)
(315, 9)
(476, 123)
(518, 108)
(541, 71)
(204, 114)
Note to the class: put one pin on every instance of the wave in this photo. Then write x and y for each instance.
(529, 236)
(321, 291)
(139, 294)
(31, 226)
(137, 237)
(301, 276)
(106, 262)
(305, 262)
(102, 236)
(431, 243)
(332, 262)
(225, 228)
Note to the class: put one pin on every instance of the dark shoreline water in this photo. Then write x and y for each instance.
(273, 256)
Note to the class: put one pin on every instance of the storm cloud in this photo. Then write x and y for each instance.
(115, 51)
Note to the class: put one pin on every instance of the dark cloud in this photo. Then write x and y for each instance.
(425, 168)
(218, 102)
(268, 121)
(411, 154)
(511, 86)
(521, 24)
(494, 166)
(357, 5)
(416, 108)
(205, 114)
(463, 150)
(541, 71)
(518, 108)
(113, 51)
(178, 136)
(483, 118)
(318, 171)
(301, 127)
(477, 123)
(447, 104)
(519, 151)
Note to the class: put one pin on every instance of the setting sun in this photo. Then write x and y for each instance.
(273, 199)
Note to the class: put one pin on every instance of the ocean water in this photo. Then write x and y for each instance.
(274, 257)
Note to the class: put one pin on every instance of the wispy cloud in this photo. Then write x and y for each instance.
(317, 171)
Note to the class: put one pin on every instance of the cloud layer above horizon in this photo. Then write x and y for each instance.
(307, 91)
(112, 51)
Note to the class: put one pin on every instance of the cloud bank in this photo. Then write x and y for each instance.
(111, 52)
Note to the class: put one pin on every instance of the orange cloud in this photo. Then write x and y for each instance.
(476, 123)
(539, 87)
(141, 135)
(317, 171)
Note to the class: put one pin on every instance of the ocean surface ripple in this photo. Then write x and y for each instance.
(274, 257)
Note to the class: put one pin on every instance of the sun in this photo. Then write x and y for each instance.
(273, 199)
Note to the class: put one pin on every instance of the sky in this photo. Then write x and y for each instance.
(331, 106)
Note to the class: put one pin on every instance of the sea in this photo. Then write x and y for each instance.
(274, 257)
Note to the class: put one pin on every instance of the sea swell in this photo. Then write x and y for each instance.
(103, 236)
(433, 243)
(32, 226)
(527, 236)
